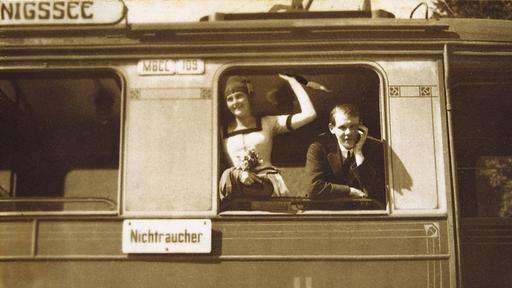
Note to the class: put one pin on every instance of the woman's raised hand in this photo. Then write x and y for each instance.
(286, 77)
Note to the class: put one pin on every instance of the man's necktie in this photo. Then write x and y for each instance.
(351, 160)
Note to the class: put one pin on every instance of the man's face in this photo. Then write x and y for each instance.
(345, 129)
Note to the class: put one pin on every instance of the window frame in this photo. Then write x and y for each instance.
(384, 127)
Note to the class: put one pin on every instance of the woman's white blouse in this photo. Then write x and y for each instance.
(259, 139)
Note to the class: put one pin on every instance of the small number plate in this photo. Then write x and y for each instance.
(170, 67)
(189, 66)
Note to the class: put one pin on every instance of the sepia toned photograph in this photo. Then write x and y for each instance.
(255, 143)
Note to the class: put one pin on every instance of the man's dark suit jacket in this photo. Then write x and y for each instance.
(329, 177)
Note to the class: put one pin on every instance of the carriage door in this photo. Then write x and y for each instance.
(481, 98)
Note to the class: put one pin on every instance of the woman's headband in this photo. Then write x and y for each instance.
(238, 84)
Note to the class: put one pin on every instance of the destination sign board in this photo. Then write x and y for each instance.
(167, 236)
(53, 12)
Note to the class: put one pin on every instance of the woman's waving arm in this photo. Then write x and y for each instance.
(307, 114)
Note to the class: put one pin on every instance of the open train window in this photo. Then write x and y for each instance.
(271, 161)
(59, 141)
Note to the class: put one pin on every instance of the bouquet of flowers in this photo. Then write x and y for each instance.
(250, 160)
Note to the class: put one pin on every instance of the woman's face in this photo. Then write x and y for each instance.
(238, 104)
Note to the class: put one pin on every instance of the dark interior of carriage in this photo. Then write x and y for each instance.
(59, 141)
(482, 137)
(356, 85)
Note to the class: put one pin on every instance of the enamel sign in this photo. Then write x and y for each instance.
(167, 236)
(170, 67)
(52, 12)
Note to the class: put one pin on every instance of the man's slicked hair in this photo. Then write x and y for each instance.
(349, 110)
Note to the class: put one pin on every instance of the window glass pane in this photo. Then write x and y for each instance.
(60, 141)
(483, 135)
(285, 164)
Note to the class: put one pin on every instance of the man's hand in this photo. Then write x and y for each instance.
(356, 193)
(363, 133)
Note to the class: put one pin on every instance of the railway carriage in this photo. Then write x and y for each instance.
(111, 132)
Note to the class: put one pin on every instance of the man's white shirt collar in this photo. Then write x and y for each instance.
(358, 154)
